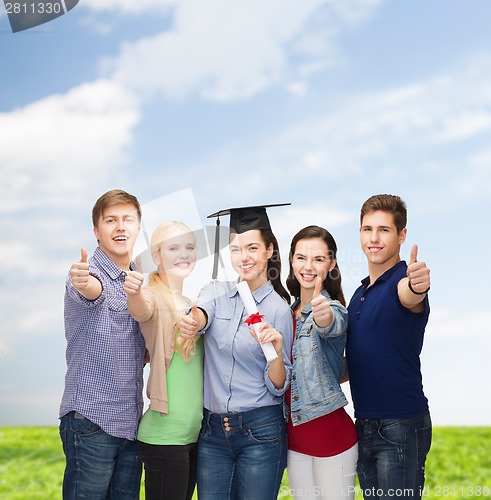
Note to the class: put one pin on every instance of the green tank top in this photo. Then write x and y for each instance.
(185, 392)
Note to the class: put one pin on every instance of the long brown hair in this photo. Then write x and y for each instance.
(274, 263)
(332, 283)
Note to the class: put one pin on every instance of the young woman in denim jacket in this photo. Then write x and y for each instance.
(322, 440)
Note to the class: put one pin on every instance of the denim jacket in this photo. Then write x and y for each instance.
(318, 364)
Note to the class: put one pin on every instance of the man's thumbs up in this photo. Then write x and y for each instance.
(413, 257)
(79, 271)
(417, 273)
(83, 253)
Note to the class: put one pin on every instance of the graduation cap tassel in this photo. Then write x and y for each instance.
(217, 250)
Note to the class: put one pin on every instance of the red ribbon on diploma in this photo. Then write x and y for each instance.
(254, 318)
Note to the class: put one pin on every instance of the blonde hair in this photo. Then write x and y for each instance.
(186, 348)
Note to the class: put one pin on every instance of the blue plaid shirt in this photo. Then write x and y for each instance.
(105, 352)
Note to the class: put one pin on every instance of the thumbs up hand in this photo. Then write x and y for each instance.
(79, 272)
(320, 306)
(83, 253)
(417, 273)
(133, 282)
(189, 322)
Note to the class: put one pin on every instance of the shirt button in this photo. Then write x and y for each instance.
(302, 319)
(362, 299)
(295, 398)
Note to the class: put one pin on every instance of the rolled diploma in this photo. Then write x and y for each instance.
(251, 308)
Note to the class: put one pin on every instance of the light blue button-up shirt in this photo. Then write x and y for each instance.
(236, 371)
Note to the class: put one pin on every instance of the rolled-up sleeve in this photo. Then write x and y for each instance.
(339, 323)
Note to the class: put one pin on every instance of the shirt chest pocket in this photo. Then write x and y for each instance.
(305, 331)
(222, 319)
(117, 302)
(223, 313)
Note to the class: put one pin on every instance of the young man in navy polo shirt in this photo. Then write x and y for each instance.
(388, 314)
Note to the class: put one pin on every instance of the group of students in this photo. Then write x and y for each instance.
(221, 415)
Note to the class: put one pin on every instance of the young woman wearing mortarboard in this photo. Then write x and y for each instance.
(242, 443)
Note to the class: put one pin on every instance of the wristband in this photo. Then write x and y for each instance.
(414, 291)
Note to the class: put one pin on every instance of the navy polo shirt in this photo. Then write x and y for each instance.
(383, 347)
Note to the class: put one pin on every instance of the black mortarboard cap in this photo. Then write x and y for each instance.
(242, 219)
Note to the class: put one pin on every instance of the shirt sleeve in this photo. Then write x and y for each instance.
(72, 293)
(151, 302)
(339, 323)
(284, 324)
(207, 301)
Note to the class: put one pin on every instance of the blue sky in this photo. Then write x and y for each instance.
(317, 103)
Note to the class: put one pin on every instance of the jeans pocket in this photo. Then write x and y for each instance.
(83, 427)
(423, 440)
(205, 430)
(393, 432)
(265, 434)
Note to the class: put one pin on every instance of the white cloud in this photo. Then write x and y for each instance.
(445, 325)
(454, 355)
(389, 136)
(128, 6)
(53, 149)
(223, 50)
(289, 220)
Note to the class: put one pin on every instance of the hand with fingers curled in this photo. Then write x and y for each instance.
(320, 306)
(79, 272)
(133, 282)
(269, 334)
(418, 274)
(188, 326)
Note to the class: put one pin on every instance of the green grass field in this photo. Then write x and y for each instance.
(32, 463)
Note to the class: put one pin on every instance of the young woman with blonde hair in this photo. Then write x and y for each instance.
(168, 430)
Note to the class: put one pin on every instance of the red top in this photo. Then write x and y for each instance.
(325, 436)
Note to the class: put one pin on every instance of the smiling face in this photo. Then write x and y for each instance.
(311, 259)
(116, 232)
(175, 255)
(380, 240)
(249, 257)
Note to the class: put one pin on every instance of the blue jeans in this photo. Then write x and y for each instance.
(242, 455)
(98, 466)
(392, 455)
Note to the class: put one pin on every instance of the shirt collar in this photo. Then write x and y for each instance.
(108, 265)
(384, 277)
(258, 294)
